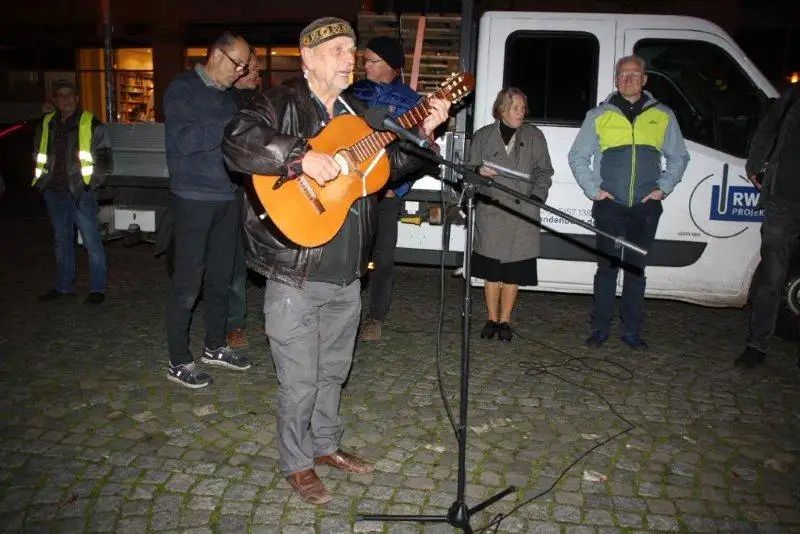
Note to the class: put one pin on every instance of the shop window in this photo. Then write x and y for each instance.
(132, 73)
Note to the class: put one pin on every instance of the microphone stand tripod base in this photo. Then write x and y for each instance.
(458, 515)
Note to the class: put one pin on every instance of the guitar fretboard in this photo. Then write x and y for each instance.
(370, 145)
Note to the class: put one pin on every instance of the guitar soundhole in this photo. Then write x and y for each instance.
(345, 161)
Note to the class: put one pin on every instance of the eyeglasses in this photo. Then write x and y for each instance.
(243, 66)
(630, 75)
(370, 61)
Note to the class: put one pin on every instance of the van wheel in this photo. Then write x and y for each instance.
(788, 324)
(793, 295)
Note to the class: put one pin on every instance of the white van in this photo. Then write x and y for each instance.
(707, 244)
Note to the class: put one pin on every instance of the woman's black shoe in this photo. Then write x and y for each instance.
(504, 332)
(489, 330)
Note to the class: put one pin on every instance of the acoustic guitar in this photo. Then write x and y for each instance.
(309, 214)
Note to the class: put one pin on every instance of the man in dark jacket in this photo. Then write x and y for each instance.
(244, 89)
(312, 299)
(72, 150)
(384, 87)
(198, 105)
(775, 149)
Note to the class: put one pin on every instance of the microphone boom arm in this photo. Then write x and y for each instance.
(473, 179)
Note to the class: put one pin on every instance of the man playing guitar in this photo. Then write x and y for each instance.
(312, 300)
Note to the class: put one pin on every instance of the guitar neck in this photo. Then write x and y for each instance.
(374, 142)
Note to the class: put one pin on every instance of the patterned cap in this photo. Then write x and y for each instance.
(325, 29)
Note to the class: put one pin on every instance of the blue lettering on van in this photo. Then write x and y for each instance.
(735, 203)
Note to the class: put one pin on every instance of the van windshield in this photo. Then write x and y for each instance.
(714, 100)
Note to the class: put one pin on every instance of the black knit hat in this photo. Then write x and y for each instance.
(389, 50)
(325, 29)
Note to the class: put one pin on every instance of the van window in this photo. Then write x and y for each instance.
(556, 70)
(715, 102)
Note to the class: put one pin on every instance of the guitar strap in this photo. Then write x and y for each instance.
(374, 161)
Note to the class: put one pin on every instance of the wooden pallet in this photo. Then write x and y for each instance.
(440, 46)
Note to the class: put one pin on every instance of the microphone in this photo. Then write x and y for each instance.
(378, 118)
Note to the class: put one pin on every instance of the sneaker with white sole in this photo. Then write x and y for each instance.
(225, 357)
(189, 375)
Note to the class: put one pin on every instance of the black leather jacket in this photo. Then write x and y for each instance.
(268, 136)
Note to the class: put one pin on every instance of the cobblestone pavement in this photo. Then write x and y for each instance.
(94, 438)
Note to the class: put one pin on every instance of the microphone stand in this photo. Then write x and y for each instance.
(459, 514)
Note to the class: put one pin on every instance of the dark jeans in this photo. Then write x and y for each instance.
(66, 212)
(779, 233)
(237, 295)
(381, 279)
(205, 242)
(636, 224)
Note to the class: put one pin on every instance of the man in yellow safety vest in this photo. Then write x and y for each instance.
(72, 151)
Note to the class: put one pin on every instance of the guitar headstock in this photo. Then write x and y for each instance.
(456, 87)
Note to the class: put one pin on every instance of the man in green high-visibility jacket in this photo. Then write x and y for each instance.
(617, 160)
(72, 151)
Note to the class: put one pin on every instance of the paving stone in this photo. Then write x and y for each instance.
(102, 522)
(232, 524)
(240, 492)
(194, 518)
(598, 517)
(629, 520)
(567, 514)
(699, 524)
(661, 506)
(574, 499)
(132, 525)
(267, 513)
(543, 528)
(236, 508)
(660, 522)
(108, 504)
(180, 483)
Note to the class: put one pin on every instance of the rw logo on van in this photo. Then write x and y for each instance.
(716, 207)
(735, 203)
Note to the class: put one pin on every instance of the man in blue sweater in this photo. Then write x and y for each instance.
(384, 87)
(205, 211)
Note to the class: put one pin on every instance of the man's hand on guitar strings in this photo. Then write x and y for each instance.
(320, 166)
(439, 110)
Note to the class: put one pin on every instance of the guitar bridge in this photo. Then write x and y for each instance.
(311, 195)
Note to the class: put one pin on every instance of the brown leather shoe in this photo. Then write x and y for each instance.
(371, 331)
(346, 462)
(309, 487)
(237, 339)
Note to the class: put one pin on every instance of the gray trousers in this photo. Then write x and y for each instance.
(312, 333)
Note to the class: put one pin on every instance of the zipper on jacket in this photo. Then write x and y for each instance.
(632, 186)
(364, 217)
(346, 248)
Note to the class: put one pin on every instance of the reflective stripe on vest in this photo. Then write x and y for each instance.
(84, 147)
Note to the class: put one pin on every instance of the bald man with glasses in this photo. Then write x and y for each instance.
(205, 211)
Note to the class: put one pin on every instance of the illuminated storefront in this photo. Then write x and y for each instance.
(133, 83)
(134, 94)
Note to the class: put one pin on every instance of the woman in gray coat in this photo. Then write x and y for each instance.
(506, 241)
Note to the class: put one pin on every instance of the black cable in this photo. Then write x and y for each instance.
(537, 370)
(440, 323)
